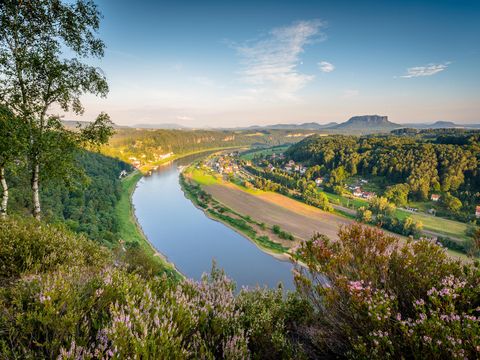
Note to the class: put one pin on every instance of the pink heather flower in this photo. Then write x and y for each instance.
(356, 285)
(419, 302)
(432, 291)
(427, 339)
(44, 298)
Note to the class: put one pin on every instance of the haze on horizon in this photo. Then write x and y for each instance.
(225, 64)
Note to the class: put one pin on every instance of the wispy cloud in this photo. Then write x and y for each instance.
(428, 70)
(270, 63)
(326, 67)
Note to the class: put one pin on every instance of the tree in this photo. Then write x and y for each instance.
(451, 202)
(337, 176)
(398, 194)
(11, 148)
(380, 205)
(364, 215)
(315, 198)
(35, 38)
(412, 227)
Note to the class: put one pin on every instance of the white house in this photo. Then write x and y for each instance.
(319, 181)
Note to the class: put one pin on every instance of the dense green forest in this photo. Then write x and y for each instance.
(416, 163)
(86, 204)
(148, 145)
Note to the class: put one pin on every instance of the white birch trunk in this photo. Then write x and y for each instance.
(36, 211)
(4, 203)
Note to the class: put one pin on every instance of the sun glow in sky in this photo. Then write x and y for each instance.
(238, 63)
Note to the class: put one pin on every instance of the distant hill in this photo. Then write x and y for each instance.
(367, 123)
(441, 125)
(166, 126)
(304, 126)
(82, 123)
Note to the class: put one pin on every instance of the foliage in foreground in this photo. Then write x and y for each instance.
(375, 297)
(64, 296)
(363, 296)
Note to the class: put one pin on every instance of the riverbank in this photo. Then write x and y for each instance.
(258, 233)
(296, 217)
(130, 228)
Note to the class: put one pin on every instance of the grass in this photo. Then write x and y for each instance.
(202, 177)
(269, 151)
(376, 184)
(242, 223)
(441, 225)
(344, 201)
(430, 223)
(128, 225)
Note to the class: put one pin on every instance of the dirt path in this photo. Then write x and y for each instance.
(275, 209)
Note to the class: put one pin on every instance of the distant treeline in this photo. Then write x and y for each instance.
(148, 145)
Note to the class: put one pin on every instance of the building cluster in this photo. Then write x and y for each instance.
(224, 164)
(137, 163)
(358, 192)
(292, 167)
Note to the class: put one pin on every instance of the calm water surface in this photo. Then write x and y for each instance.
(191, 240)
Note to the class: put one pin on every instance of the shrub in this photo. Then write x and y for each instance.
(282, 234)
(78, 304)
(375, 297)
(29, 246)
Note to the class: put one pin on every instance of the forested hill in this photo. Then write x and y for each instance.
(148, 145)
(87, 204)
(425, 162)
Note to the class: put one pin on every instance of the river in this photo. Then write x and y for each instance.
(191, 240)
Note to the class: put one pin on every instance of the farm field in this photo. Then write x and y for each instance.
(274, 209)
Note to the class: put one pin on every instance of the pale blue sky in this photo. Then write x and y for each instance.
(226, 63)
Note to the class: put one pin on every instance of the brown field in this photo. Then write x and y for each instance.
(293, 216)
(274, 209)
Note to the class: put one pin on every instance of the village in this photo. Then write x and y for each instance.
(232, 165)
(138, 163)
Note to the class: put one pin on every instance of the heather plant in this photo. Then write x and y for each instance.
(376, 296)
(66, 297)
(34, 247)
(271, 320)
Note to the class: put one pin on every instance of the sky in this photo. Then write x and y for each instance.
(238, 63)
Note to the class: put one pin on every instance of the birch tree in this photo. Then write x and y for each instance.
(44, 47)
(11, 149)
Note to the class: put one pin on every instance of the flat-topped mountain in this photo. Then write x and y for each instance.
(367, 122)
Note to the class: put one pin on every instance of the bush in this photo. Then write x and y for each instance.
(29, 246)
(65, 300)
(377, 298)
(281, 233)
